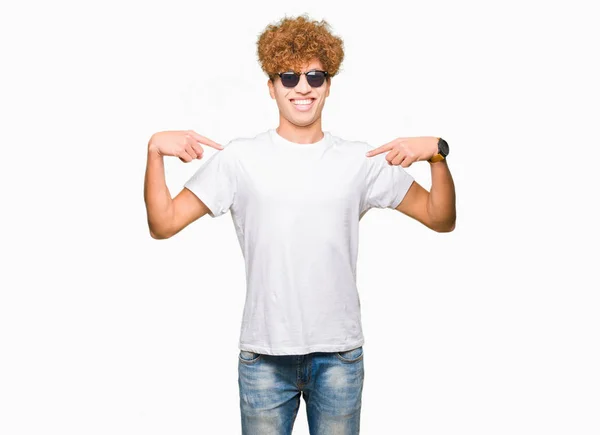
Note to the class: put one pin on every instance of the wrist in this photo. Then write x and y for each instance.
(153, 150)
(442, 149)
(435, 162)
(437, 158)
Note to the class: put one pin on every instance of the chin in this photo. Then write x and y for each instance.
(302, 122)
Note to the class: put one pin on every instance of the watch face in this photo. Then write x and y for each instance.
(443, 147)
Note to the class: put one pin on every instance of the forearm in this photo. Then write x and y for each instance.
(441, 204)
(156, 195)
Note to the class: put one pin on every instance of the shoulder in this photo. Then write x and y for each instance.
(233, 148)
(360, 147)
(243, 144)
(357, 146)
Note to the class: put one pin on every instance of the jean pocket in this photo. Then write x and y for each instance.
(350, 356)
(248, 357)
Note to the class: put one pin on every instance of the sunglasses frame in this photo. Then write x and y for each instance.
(298, 74)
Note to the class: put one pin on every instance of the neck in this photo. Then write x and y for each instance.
(300, 134)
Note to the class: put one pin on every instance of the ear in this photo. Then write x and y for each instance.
(328, 88)
(271, 88)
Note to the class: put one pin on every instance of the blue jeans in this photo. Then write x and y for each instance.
(331, 384)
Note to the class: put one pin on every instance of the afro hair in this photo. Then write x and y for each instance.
(293, 42)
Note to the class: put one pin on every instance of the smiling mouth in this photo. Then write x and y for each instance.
(303, 104)
(293, 100)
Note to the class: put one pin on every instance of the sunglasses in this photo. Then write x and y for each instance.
(315, 78)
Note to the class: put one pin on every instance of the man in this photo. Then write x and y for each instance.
(296, 195)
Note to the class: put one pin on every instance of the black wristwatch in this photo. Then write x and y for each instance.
(443, 151)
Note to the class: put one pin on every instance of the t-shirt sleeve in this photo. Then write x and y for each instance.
(214, 182)
(386, 184)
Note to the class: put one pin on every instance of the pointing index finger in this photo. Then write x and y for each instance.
(378, 150)
(204, 140)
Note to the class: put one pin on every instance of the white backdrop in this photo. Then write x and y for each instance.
(491, 329)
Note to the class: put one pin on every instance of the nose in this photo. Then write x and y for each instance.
(302, 86)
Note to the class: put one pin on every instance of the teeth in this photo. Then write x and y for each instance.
(302, 101)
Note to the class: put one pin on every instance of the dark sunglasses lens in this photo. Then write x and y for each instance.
(315, 78)
(289, 80)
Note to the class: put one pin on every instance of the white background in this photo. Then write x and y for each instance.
(490, 329)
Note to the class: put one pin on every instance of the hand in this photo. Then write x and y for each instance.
(404, 151)
(184, 144)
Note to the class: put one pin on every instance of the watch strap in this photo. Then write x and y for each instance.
(437, 158)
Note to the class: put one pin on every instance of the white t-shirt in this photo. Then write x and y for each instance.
(296, 209)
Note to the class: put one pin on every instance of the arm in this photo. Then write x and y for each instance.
(435, 209)
(166, 216)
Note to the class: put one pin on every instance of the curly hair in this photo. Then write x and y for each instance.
(293, 42)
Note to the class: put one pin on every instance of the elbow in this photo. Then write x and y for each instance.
(159, 234)
(160, 225)
(442, 225)
(447, 227)
(441, 220)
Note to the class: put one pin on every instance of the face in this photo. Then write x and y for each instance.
(300, 115)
